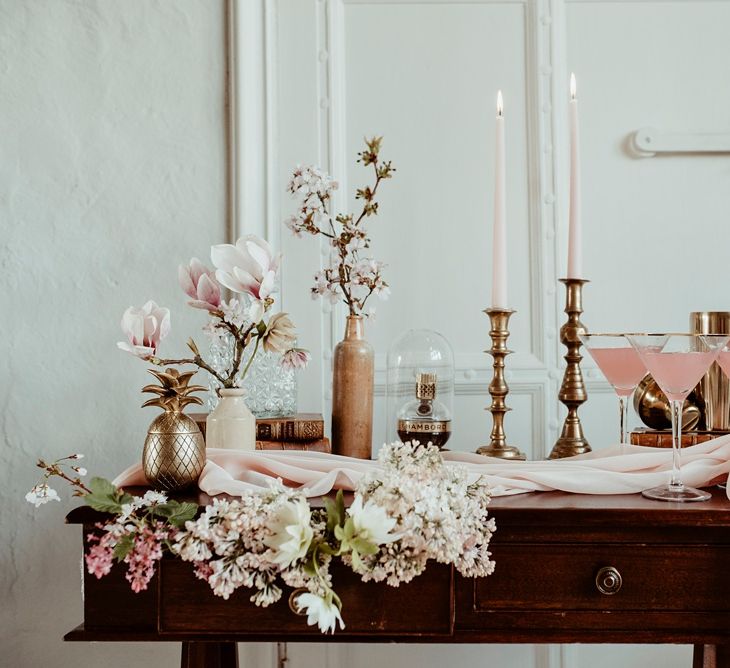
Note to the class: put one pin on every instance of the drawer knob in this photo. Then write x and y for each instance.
(608, 580)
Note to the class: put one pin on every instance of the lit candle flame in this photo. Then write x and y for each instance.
(572, 86)
(500, 103)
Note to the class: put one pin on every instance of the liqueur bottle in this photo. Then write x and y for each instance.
(425, 418)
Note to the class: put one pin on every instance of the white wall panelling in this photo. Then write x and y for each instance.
(424, 74)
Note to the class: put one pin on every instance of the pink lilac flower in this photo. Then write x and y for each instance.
(100, 557)
(142, 558)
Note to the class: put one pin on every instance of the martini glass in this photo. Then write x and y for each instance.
(622, 366)
(677, 362)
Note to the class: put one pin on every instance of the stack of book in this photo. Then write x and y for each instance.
(303, 431)
(655, 438)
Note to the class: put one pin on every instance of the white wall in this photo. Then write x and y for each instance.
(112, 170)
(112, 165)
(424, 73)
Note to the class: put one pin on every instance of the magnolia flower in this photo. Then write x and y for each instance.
(279, 334)
(291, 533)
(296, 358)
(372, 522)
(249, 267)
(144, 327)
(320, 611)
(40, 494)
(198, 283)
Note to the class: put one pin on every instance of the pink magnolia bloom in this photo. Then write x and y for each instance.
(250, 267)
(296, 358)
(144, 327)
(198, 282)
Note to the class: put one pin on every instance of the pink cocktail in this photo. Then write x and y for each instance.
(622, 366)
(678, 373)
(677, 362)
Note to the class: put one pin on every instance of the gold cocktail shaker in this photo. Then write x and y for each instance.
(714, 388)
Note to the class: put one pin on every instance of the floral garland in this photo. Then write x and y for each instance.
(412, 509)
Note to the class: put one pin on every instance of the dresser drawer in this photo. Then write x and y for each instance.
(606, 577)
(424, 606)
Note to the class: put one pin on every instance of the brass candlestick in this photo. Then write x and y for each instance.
(498, 388)
(573, 390)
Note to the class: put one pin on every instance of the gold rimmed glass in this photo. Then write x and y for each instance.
(677, 362)
(621, 365)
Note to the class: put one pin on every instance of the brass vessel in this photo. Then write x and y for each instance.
(174, 450)
(714, 388)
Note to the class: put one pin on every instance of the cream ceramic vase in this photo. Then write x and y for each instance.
(352, 393)
(231, 424)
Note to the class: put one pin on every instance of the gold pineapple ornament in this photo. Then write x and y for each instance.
(174, 450)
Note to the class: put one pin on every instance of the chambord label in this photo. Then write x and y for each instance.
(424, 426)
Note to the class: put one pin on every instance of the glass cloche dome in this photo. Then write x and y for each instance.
(420, 388)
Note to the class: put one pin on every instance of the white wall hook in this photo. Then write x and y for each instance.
(649, 142)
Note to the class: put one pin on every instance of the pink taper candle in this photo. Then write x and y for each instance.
(575, 230)
(499, 243)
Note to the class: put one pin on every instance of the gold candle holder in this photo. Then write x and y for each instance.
(498, 388)
(573, 390)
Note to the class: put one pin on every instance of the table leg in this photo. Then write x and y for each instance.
(209, 655)
(711, 656)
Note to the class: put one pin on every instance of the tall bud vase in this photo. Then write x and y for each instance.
(352, 393)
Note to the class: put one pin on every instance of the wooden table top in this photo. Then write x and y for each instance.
(537, 507)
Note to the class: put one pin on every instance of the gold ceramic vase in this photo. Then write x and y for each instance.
(352, 393)
(174, 450)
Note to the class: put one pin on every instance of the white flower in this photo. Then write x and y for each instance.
(371, 521)
(250, 267)
(40, 494)
(292, 532)
(235, 312)
(78, 455)
(320, 611)
(80, 470)
(151, 497)
(126, 513)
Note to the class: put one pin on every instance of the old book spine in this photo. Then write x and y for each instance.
(292, 429)
(320, 445)
(663, 439)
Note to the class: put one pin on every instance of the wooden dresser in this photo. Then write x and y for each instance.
(570, 568)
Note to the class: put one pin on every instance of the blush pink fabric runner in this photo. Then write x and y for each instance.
(607, 471)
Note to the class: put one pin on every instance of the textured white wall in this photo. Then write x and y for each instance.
(112, 170)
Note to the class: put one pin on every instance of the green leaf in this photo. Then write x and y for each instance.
(335, 511)
(105, 497)
(356, 562)
(176, 513)
(123, 547)
(364, 546)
